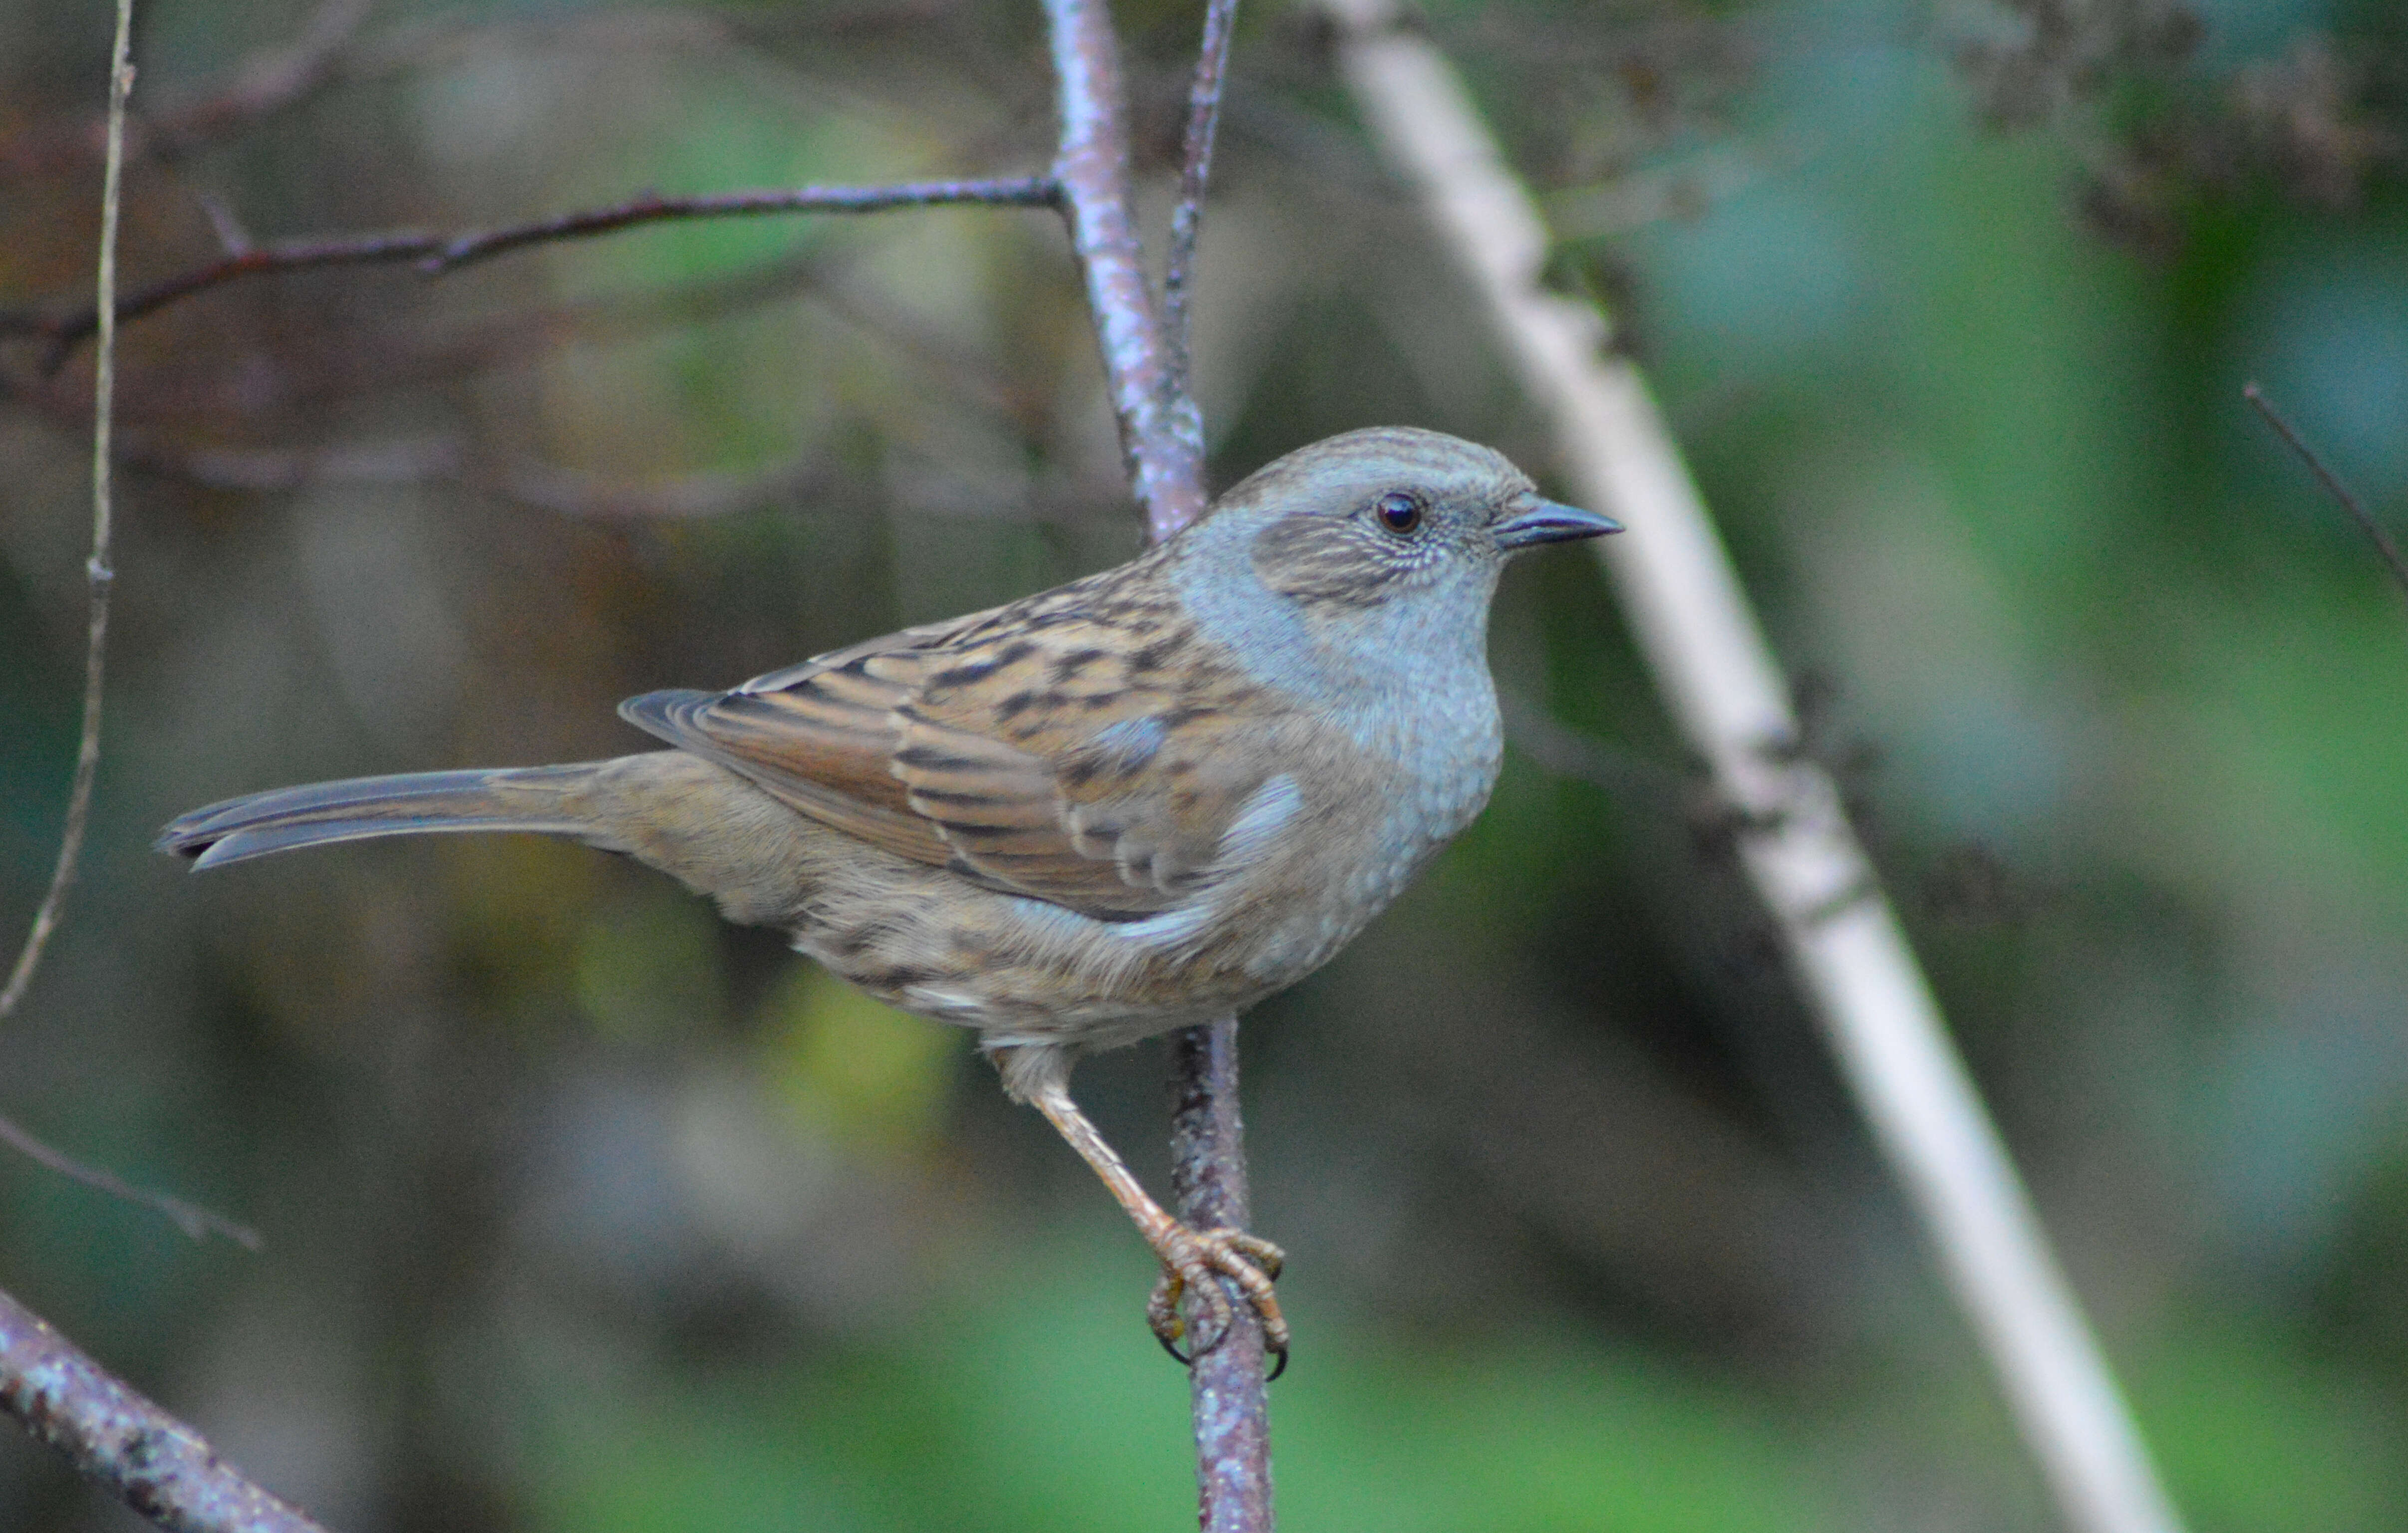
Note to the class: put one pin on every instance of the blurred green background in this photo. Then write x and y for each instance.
(584, 1211)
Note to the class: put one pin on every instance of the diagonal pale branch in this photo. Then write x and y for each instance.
(268, 82)
(1719, 675)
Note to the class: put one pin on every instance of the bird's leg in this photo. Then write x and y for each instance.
(1191, 1258)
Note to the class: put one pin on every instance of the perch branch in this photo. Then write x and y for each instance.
(1162, 443)
(1208, 1175)
(1720, 679)
(121, 1439)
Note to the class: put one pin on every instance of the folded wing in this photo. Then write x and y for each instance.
(1037, 751)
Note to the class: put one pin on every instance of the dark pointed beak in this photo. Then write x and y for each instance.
(1547, 523)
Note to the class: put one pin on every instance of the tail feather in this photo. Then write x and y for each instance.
(544, 799)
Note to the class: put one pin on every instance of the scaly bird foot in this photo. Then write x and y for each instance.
(1191, 1260)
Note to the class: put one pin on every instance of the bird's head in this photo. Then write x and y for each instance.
(1363, 532)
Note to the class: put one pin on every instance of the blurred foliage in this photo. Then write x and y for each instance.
(585, 1211)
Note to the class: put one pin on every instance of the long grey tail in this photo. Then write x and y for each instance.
(546, 799)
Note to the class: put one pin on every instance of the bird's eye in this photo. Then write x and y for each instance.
(1398, 513)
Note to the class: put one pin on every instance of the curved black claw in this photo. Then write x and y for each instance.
(1277, 1355)
(1279, 1358)
(1192, 1261)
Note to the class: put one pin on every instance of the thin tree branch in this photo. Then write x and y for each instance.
(1196, 166)
(1162, 442)
(140, 1453)
(1006, 191)
(1162, 435)
(437, 254)
(1692, 620)
(2332, 483)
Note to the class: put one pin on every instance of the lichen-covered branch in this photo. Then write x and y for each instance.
(142, 1455)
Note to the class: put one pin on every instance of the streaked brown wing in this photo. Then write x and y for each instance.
(1060, 757)
(812, 746)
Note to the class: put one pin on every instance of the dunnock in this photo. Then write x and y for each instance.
(1100, 812)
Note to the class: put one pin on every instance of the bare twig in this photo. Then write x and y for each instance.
(144, 1456)
(1702, 641)
(1196, 167)
(435, 253)
(1006, 191)
(96, 571)
(1162, 436)
(193, 1219)
(2383, 546)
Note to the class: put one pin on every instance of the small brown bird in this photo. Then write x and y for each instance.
(1101, 812)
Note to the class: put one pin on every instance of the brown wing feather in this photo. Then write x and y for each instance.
(1039, 748)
